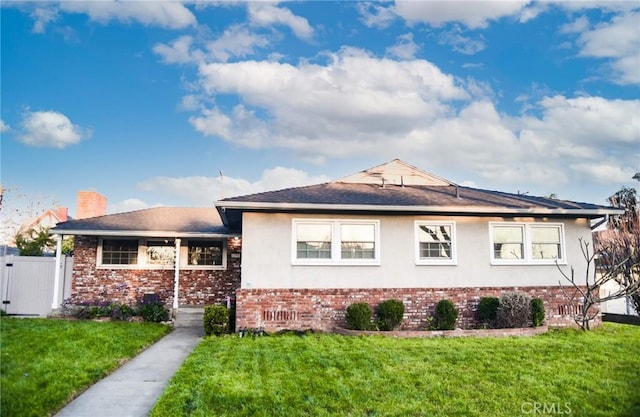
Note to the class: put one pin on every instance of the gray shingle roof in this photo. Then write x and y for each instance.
(166, 221)
(410, 199)
(407, 196)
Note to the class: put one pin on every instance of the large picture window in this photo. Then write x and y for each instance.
(161, 252)
(205, 253)
(326, 242)
(527, 243)
(435, 242)
(119, 251)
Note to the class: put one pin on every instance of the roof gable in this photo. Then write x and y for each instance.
(395, 172)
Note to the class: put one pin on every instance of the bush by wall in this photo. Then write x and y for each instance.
(389, 314)
(153, 312)
(358, 316)
(488, 309)
(537, 312)
(216, 320)
(514, 310)
(446, 315)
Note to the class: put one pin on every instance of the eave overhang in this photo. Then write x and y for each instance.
(143, 233)
(484, 211)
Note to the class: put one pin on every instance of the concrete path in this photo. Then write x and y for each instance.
(133, 389)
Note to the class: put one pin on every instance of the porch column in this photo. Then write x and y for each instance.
(56, 276)
(176, 278)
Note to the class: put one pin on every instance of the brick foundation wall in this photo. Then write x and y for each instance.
(197, 287)
(324, 309)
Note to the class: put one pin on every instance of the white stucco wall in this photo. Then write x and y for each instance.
(267, 263)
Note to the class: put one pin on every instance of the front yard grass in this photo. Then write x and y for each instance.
(45, 363)
(563, 372)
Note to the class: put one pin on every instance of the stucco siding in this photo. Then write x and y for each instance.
(267, 256)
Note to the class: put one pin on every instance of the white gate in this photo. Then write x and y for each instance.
(26, 284)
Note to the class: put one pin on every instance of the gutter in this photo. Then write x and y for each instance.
(142, 233)
(223, 205)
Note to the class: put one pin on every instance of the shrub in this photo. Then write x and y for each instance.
(216, 320)
(152, 311)
(358, 316)
(488, 309)
(514, 310)
(537, 312)
(389, 314)
(446, 315)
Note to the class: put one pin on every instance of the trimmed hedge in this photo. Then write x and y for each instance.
(216, 320)
(446, 315)
(358, 316)
(389, 314)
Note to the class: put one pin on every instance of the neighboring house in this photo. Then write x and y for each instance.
(392, 231)
(45, 220)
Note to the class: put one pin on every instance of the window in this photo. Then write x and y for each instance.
(326, 242)
(313, 241)
(205, 253)
(119, 252)
(545, 242)
(527, 243)
(357, 241)
(161, 252)
(435, 242)
(508, 242)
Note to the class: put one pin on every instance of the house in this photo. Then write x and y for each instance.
(307, 253)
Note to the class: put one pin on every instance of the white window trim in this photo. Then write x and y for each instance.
(528, 255)
(184, 256)
(336, 252)
(142, 257)
(435, 261)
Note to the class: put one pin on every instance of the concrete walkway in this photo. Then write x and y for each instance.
(133, 389)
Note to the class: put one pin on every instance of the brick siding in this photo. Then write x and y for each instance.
(324, 309)
(197, 287)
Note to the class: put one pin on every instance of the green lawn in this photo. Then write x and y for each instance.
(564, 372)
(45, 363)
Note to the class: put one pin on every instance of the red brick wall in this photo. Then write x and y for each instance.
(197, 287)
(324, 309)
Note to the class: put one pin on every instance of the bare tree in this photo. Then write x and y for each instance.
(586, 293)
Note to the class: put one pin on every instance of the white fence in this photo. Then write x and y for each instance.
(26, 284)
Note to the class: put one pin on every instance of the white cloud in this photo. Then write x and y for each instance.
(129, 204)
(203, 191)
(4, 127)
(170, 15)
(460, 43)
(50, 129)
(179, 51)
(375, 15)
(42, 16)
(355, 97)
(405, 48)
(267, 14)
(236, 41)
(579, 25)
(619, 42)
(473, 14)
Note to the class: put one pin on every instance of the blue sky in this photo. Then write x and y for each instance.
(149, 102)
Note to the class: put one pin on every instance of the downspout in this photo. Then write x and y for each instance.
(176, 277)
(56, 278)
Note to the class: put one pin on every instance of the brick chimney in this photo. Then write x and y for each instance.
(63, 214)
(90, 204)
